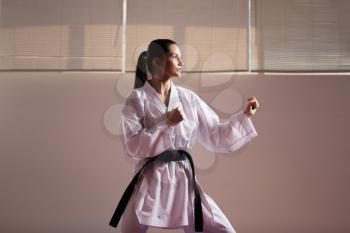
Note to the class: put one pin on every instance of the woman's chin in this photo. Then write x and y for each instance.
(178, 74)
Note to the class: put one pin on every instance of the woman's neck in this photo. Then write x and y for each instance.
(162, 87)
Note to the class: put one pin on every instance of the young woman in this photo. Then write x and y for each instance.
(161, 122)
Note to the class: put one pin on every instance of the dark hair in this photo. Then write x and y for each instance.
(156, 49)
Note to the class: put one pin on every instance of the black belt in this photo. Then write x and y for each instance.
(166, 156)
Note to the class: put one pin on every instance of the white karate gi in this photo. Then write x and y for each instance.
(164, 195)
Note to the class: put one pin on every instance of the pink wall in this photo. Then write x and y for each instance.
(62, 168)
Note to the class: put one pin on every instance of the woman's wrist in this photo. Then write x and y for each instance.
(248, 113)
(165, 117)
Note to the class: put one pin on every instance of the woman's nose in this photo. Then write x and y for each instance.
(181, 63)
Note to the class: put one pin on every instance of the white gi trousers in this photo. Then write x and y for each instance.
(221, 224)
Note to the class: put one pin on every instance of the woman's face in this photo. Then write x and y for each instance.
(173, 62)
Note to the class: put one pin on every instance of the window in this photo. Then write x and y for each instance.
(214, 36)
(301, 35)
(60, 34)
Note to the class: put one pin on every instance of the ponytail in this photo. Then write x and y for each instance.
(141, 70)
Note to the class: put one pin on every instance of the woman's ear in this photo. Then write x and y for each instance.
(157, 62)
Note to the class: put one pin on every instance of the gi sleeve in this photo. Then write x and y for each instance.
(222, 137)
(139, 141)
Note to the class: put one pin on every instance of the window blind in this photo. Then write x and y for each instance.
(213, 35)
(300, 35)
(60, 34)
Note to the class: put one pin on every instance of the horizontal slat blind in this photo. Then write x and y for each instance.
(212, 34)
(60, 34)
(301, 35)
